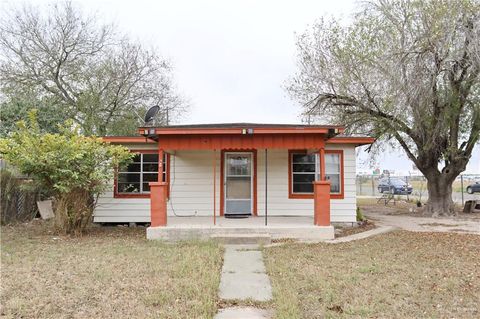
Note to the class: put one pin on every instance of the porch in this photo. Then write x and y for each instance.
(300, 228)
(231, 178)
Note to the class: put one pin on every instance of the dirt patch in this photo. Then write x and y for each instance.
(284, 240)
(396, 275)
(440, 225)
(347, 231)
(401, 207)
(222, 304)
(459, 230)
(407, 208)
(111, 272)
(469, 216)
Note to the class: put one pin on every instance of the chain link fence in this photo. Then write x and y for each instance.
(414, 187)
(18, 200)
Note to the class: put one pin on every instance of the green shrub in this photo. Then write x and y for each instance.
(360, 217)
(71, 167)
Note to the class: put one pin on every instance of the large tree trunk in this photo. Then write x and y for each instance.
(440, 201)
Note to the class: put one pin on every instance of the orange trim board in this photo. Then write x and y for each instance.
(222, 177)
(292, 195)
(350, 140)
(128, 139)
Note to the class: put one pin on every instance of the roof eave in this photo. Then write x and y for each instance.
(239, 131)
(357, 140)
(127, 139)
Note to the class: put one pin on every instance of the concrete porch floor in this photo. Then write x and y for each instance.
(201, 227)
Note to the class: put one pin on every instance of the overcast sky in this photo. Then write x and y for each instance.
(231, 58)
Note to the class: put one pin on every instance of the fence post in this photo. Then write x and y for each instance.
(359, 181)
(406, 182)
(461, 185)
(373, 186)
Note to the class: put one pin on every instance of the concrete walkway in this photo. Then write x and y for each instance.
(244, 275)
(426, 224)
(244, 278)
(362, 235)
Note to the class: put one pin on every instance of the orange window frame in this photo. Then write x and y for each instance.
(293, 195)
(116, 194)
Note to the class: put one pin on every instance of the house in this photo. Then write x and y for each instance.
(234, 170)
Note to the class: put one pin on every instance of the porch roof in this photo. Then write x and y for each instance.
(242, 136)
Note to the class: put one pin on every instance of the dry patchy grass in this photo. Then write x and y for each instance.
(395, 275)
(343, 231)
(108, 273)
(401, 207)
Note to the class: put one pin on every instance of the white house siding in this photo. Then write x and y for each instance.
(123, 210)
(342, 210)
(191, 189)
(191, 183)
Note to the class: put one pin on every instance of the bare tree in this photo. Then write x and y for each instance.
(99, 77)
(405, 72)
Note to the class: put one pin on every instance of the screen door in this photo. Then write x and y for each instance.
(238, 183)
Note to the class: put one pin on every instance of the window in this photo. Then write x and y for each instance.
(134, 178)
(333, 171)
(304, 168)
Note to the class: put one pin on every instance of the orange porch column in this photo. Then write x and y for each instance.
(322, 163)
(214, 160)
(321, 198)
(158, 203)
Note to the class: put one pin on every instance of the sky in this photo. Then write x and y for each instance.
(232, 58)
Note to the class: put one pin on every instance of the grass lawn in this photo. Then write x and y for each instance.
(400, 207)
(109, 273)
(395, 275)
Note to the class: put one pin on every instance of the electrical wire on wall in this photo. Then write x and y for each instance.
(172, 183)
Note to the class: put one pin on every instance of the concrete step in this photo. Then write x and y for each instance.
(243, 313)
(242, 239)
(191, 232)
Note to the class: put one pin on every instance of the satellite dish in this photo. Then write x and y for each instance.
(151, 113)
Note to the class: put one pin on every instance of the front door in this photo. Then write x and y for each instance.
(238, 183)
